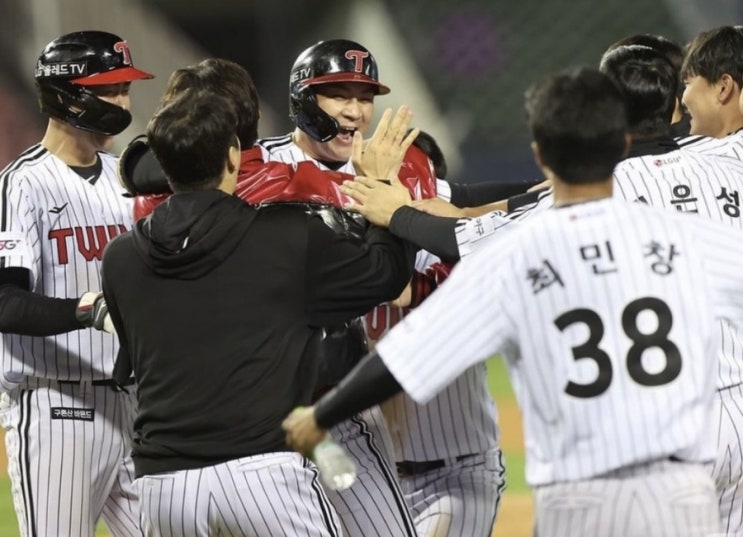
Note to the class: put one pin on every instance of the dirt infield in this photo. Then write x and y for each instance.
(515, 513)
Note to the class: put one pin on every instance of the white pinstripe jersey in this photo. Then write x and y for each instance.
(459, 420)
(699, 183)
(56, 224)
(707, 184)
(729, 146)
(462, 419)
(605, 313)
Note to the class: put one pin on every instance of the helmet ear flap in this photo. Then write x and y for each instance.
(309, 117)
(81, 108)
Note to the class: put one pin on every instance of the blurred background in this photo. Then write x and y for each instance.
(462, 65)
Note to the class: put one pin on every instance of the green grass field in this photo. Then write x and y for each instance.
(499, 387)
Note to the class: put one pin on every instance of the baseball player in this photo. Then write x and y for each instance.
(447, 451)
(615, 389)
(713, 72)
(68, 426)
(332, 88)
(260, 182)
(659, 173)
(713, 76)
(245, 295)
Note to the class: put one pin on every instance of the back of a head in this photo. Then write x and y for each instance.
(327, 62)
(225, 78)
(427, 143)
(650, 85)
(714, 53)
(673, 52)
(578, 118)
(74, 62)
(191, 136)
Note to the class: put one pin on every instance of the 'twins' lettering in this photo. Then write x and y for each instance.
(89, 240)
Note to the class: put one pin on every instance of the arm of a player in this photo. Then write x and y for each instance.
(434, 234)
(464, 322)
(347, 278)
(368, 384)
(454, 343)
(30, 314)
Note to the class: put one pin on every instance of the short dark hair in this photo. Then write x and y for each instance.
(225, 78)
(649, 83)
(672, 50)
(427, 143)
(714, 53)
(191, 136)
(578, 118)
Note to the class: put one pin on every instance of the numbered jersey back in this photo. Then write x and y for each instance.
(614, 307)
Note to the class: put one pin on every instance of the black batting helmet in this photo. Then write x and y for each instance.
(333, 61)
(71, 63)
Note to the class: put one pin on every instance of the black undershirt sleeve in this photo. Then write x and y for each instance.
(435, 234)
(476, 194)
(31, 314)
(527, 198)
(368, 384)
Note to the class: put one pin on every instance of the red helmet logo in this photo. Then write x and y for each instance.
(122, 48)
(358, 57)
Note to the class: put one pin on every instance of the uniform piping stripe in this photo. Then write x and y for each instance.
(322, 501)
(30, 155)
(24, 458)
(389, 477)
(274, 143)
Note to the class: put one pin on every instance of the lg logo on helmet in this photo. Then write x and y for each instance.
(358, 58)
(122, 48)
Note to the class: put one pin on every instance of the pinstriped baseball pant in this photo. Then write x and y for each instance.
(661, 499)
(728, 466)
(69, 470)
(259, 496)
(459, 499)
(374, 506)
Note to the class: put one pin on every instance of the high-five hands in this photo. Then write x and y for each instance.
(382, 155)
(376, 200)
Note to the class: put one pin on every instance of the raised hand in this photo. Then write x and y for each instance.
(381, 156)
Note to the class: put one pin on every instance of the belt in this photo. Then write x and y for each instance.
(410, 468)
(111, 383)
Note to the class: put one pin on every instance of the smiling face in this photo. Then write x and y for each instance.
(700, 99)
(351, 104)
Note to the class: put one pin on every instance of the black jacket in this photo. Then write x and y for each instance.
(215, 303)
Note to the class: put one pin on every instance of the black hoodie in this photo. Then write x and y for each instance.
(217, 306)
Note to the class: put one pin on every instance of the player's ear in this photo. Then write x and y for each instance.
(726, 88)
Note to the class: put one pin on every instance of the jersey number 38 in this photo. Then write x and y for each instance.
(590, 349)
